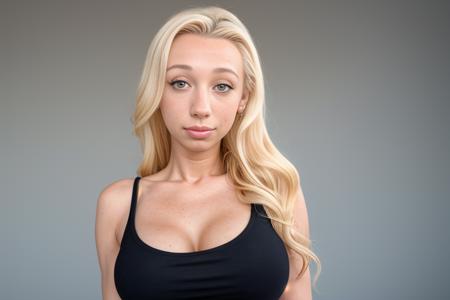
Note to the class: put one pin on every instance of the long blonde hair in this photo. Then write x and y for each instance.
(255, 166)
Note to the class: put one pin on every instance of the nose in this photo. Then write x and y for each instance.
(201, 107)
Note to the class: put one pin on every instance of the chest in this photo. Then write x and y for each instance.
(206, 245)
(186, 220)
(254, 265)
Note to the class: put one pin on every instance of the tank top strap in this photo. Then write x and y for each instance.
(131, 214)
(134, 196)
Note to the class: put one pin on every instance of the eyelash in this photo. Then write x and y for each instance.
(229, 87)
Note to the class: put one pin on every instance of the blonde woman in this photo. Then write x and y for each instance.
(216, 211)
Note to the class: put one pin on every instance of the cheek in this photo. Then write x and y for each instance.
(171, 112)
(227, 118)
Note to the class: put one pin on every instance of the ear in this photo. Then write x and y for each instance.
(244, 99)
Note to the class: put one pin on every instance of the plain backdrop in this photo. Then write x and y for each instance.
(357, 98)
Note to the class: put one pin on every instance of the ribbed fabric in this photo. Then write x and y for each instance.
(253, 265)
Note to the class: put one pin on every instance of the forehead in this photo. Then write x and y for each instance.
(204, 53)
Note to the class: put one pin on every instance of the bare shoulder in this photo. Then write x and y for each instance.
(113, 196)
(114, 202)
(116, 190)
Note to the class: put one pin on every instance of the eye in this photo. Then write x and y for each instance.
(172, 83)
(224, 85)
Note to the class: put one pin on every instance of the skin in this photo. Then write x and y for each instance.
(202, 98)
(191, 200)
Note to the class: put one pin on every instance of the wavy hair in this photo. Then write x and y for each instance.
(259, 172)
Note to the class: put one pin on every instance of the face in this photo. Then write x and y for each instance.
(206, 90)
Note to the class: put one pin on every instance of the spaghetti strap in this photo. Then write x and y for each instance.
(134, 195)
(132, 211)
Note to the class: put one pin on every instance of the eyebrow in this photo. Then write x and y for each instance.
(216, 70)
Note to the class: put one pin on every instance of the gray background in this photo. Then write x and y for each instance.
(357, 98)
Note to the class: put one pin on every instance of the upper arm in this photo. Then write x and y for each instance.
(109, 211)
(299, 288)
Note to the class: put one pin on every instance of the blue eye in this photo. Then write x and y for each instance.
(176, 81)
(224, 84)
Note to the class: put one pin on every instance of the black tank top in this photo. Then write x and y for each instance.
(253, 265)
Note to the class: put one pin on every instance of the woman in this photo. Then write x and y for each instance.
(216, 211)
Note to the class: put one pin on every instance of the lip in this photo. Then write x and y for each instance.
(203, 133)
(199, 128)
